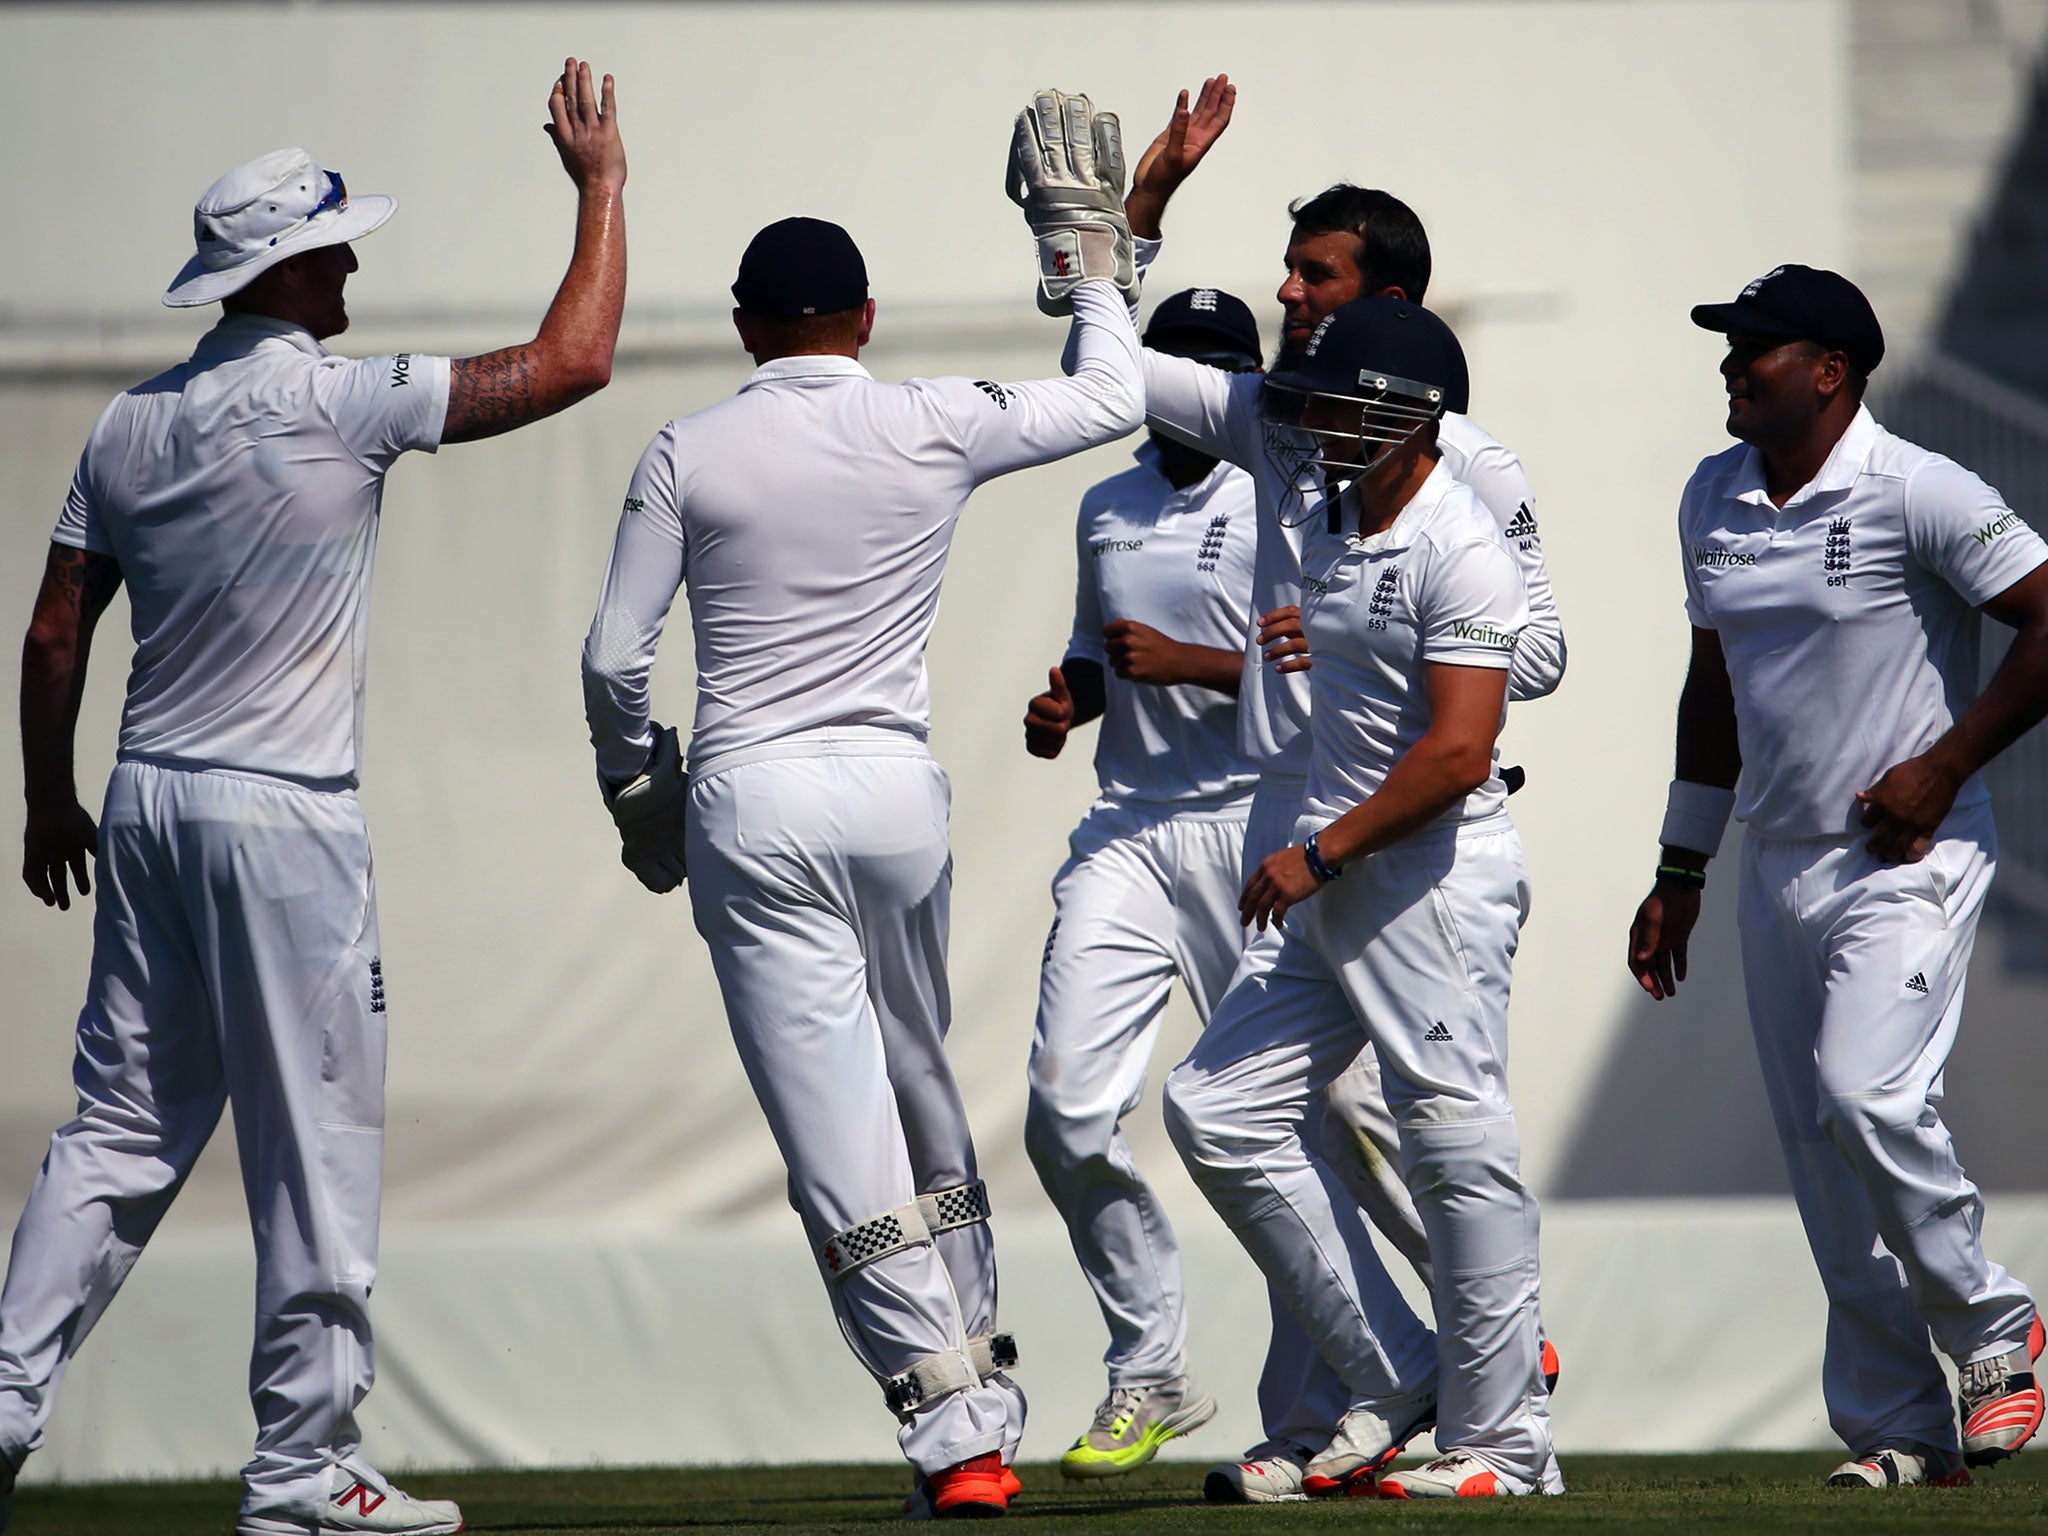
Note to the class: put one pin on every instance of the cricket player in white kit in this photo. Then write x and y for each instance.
(235, 946)
(1346, 242)
(1412, 608)
(1149, 894)
(1834, 574)
(809, 518)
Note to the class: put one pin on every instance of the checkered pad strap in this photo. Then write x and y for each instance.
(933, 1377)
(857, 1247)
(992, 1352)
(961, 1206)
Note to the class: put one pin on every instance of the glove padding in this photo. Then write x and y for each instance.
(649, 813)
(1067, 173)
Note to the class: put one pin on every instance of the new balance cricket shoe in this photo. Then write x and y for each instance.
(1457, 1475)
(1893, 1467)
(1368, 1437)
(1270, 1473)
(360, 1499)
(2001, 1402)
(979, 1488)
(1132, 1423)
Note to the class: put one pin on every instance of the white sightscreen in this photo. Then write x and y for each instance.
(586, 1252)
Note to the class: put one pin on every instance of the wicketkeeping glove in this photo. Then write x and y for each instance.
(649, 813)
(1067, 173)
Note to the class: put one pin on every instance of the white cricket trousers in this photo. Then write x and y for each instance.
(821, 879)
(1148, 894)
(1301, 1397)
(1411, 950)
(234, 963)
(1855, 971)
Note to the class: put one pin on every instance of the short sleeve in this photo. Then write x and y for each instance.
(1086, 640)
(78, 523)
(386, 406)
(1471, 608)
(1961, 529)
(1695, 603)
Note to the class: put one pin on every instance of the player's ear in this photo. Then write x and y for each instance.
(867, 323)
(1831, 377)
(740, 324)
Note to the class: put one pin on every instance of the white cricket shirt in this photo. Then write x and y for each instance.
(1848, 618)
(1438, 586)
(1218, 412)
(810, 517)
(240, 493)
(1181, 562)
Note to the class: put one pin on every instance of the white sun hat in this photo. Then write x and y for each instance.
(262, 212)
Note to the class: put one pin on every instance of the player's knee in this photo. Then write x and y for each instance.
(1203, 1124)
(1860, 1118)
(1061, 1137)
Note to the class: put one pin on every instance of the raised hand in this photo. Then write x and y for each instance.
(1171, 158)
(1049, 717)
(584, 125)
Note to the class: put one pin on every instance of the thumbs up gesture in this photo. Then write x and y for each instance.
(1049, 717)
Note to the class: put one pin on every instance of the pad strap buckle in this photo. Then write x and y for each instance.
(992, 1352)
(933, 1377)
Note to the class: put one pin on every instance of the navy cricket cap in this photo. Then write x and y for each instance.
(1802, 304)
(801, 267)
(1375, 337)
(1208, 325)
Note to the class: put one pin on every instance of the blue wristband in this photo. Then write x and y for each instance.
(1323, 872)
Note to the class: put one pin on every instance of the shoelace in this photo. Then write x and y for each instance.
(1983, 1378)
(1122, 1403)
(1455, 1459)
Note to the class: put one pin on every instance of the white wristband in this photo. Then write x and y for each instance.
(1695, 816)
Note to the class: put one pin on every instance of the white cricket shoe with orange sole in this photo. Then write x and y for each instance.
(1456, 1475)
(2002, 1402)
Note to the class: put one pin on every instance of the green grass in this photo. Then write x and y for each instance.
(1731, 1493)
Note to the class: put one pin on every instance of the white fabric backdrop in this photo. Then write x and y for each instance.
(587, 1247)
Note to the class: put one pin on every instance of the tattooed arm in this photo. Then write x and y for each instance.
(77, 586)
(572, 355)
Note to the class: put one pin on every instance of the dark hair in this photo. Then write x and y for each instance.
(1395, 250)
(795, 335)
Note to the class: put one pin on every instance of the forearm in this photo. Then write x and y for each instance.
(1708, 751)
(1106, 361)
(1205, 666)
(619, 708)
(2012, 703)
(52, 686)
(581, 329)
(640, 586)
(1084, 683)
(1431, 777)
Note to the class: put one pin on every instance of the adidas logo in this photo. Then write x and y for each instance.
(1523, 524)
(1437, 1031)
(1917, 982)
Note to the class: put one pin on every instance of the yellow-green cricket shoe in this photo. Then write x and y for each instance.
(1132, 1423)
